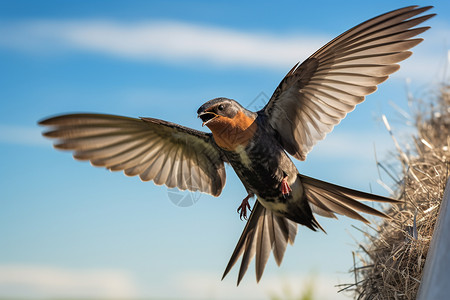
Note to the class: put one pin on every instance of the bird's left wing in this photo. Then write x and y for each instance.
(156, 150)
(318, 93)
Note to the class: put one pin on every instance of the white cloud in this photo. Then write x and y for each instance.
(21, 135)
(177, 42)
(39, 281)
(163, 40)
(25, 281)
(202, 285)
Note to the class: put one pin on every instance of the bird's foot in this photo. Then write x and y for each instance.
(242, 209)
(285, 188)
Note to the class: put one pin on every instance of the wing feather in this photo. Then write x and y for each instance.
(339, 75)
(156, 150)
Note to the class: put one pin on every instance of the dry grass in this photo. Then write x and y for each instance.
(390, 263)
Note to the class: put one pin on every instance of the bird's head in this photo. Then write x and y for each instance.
(218, 112)
(230, 123)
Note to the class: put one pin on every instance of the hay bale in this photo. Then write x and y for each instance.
(392, 260)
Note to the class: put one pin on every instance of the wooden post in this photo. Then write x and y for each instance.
(435, 283)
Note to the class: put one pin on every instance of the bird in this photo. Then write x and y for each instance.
(260, 146)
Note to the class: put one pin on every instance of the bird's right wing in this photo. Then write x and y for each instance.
(318, 93)
(263, 233)
(154, 149)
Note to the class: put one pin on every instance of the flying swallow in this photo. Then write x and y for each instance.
(314, 96)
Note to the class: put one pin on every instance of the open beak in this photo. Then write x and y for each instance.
(207, 116)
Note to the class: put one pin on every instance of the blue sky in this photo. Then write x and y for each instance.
(70, 230)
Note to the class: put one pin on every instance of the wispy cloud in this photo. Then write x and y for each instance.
(163, 40)
(202, 285)
(39, 281)
(21, 135)
(178, 42)
(25, 281)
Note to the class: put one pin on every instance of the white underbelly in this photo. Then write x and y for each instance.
(245, 160)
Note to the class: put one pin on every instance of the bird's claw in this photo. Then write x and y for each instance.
(242, 209)
(285, 188)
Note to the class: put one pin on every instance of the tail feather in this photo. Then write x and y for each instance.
(354, 194)
(267, 232)
(263, 233)
(334, 203)
(264, 246)
(331, 198)
(249, 253)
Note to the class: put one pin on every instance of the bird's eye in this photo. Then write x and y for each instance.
(220, 107)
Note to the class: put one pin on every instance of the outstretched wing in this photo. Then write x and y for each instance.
(156, 150)
(263, 233)
(318, 93)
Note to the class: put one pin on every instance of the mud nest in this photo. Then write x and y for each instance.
(389, 264)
